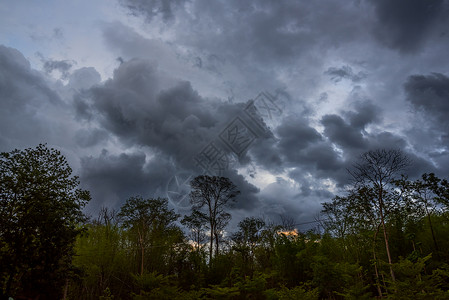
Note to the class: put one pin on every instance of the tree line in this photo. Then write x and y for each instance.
(385, 238)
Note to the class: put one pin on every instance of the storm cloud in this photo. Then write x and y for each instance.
(134, 92)
(405, 25)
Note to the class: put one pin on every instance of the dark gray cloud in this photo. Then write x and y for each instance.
(132, 105)
(62, 66)
(365, 113)
(349, 130)
(164, 122)
(405, 24)
(265, 153)
(253, 37)
(185, 75)
(153, 8)
(301, 149)
(16, 70)
(386, 140)
(24, 95)
(349, 133)
(269, 31)
(295, 135)
(282, 199)
(430, 95)
(91, 137)
(114, 178)
(299, 146)
(344, 72)
(342, 133)
(50, 65)
(248, 199)
(321, 160)
(173, 123)
(82, 107)
(420, 165)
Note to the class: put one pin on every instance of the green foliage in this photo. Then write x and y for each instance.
(152, 232)
(218, 292)
(152, 213)
(101, 259)
(413, 283)
(307, 266)
(249, 287)
(298, 292)
(106, 295)
(40, 210)
(356, 291)
(261, 263)
(245, 243)
(155, 286)
(249, 231)
(142, 253)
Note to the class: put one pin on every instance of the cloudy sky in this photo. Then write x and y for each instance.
(138, 95)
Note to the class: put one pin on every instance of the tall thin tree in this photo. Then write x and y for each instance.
(214, 194)
(378, 169)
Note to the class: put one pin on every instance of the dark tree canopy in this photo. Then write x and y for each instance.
(196, 222)
(376, 171)
(215, 194)
(151, 223)
(249, 231)
(40, 212)
(151, 213)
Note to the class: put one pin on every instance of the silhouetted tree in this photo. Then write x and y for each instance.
(196, 223)
(149, 220)
(377, 170)
(426, 195)
(40, 214)
(215, 194)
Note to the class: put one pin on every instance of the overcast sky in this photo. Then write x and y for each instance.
(134, 94)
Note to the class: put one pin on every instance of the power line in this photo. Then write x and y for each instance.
(310, 222)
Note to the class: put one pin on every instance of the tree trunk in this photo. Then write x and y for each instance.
(216, 244)
(66, 287)
(8, 284)
(198, 240)
(433, 233)
(211, 246)
(142, 260)
(142, 253)
(379, 289)
(387, 246)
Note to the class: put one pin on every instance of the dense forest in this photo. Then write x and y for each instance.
(385, 237)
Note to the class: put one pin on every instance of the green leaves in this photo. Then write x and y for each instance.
(151, 229)
(139, 212)
(40, 207)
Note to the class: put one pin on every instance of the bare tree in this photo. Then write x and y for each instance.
(287, 222)
(377, 170)
(215, 194)
(107, 217)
